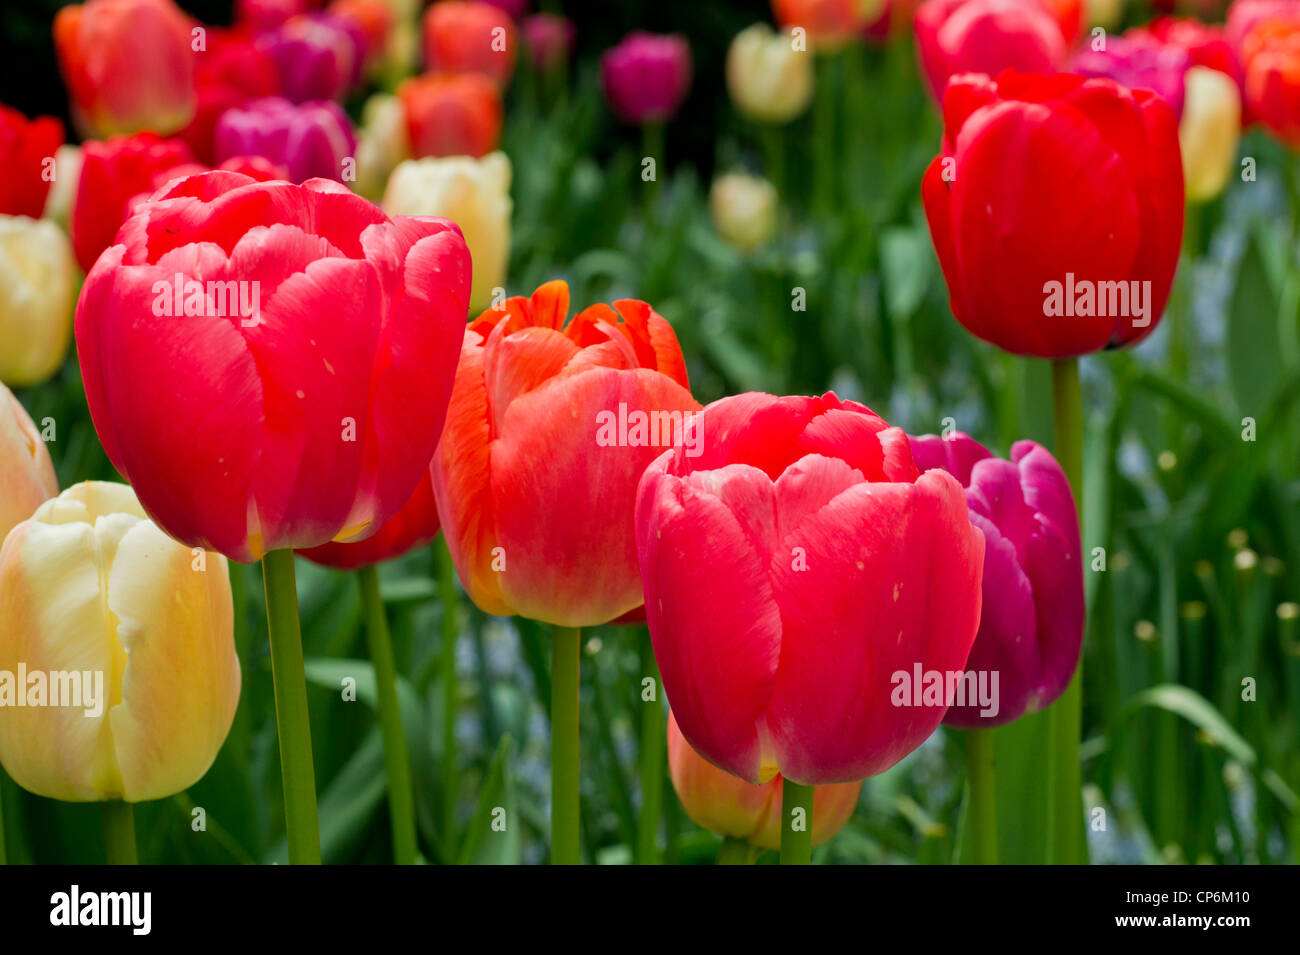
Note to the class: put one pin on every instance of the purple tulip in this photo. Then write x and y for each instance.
(512, 8)
(646, 76)
(1138, 60)
(309, 139)
(549, 40)
(316, 56)
(1031, 628)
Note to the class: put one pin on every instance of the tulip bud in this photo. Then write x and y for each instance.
(465, 37)
(743, 208)
(129, 638)
(26, 472)
(38, 284)
(451, 114)
(474, 194)
(769, 80)
(729, 806)
(128, 64)
(645, 77)
(381, 145)
(311, 140)
(1208, 131)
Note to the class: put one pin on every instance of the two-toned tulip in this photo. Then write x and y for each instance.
(26, 472)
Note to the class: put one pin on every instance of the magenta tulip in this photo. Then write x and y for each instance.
(646, 76)
(311, 140)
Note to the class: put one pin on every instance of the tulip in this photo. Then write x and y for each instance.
(1056, 210)
(792, 571)
(986, 36)
(91, 588)
(1270, 53)
(259, 16)
(548, 38)
(371, 20)
(469, 37)
(128, 65)
(38, 284)
(451, 115)
(474, 194)
(744, 209)
(112, 173)
(893, 20)
(1031, 626)
(414, 525)
(514, 8)
(1208, 131)
(1139, 60)
(645, 77)
(305, 418)
(311, 140)
(1206, 45)
(769, 80)
(316, 57)
(1244, 15)
(731, 807)
(535, 477)
(26, 472)
(232, 71)
(27, 148)
(827, 24)
(381, 144)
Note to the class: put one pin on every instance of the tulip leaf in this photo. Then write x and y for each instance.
(1020, 752)
(1254, 351)
(905, 257)
(495, 836)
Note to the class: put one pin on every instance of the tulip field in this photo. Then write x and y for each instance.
(510, 432)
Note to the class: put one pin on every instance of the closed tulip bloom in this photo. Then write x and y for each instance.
(1270, 54)
(474, 194)
(308, 411)
(744, 208)
(113, 173)
(1244, 15)
(645, 77)
(258, 16)
(316, 57)
(461, 36)
(38, 285)
(549, 429)
(92, 589)
(26, 472)
(548, 37)
(451, 114)
(827, 24)
(415, 525)
(729, 806)
(27, 149)
(986, 36)
(1031, 625)
(381, 145)
(1208, 131)
(1056, 209)
(232, 71)
(311, 140)
(1139, 61)
(128, 65)
(768, 79)
(792, 570)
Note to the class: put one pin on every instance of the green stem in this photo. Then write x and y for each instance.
(301, 828)
(796, 827)
(397, 761)
(982, 815)
(119, 832)
(823, 136)
(652, 146)
(653, 744)
(565, 643)
(773, 137)
(447, 595)
(1066, 844)
(734, 851)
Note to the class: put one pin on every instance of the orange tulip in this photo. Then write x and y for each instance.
(451, 114)
(464, 37)
(1270, 54)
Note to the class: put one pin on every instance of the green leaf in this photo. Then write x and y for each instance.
(1254, 352)
(484, 844)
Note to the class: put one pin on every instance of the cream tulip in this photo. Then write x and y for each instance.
(382, 144)
(743, 208)
(38, 285)
(26, 472)
(770, 80)
(474, 194)
(129, 638)
(1208, 131)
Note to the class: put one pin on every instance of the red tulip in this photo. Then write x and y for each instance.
(27, 148)
(128, 65)
(231, 72)
(549, 430)
(305, 413)
(451, 114)
(729, 806)
(795, 573)
(461, 36)
(1271, 54)
(414, 525)
(1056, 210)
(986, 36)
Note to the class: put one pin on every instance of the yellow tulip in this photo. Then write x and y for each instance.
(474, 194)
(1208, 132)
(26, 472)
(769, 80)
(124, 641)
(743, 208)
(38, 283)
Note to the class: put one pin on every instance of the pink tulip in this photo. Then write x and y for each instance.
(311, 140)
(795, 571)
(645, 77)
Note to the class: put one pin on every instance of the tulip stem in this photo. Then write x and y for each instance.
(301, 828)
(652, 145)
(796, 823)
(450, 630)
(982, 808)
(1067, 844)
(565, 819)
(653, 743)
(119, 832)
(734, 851)
(774, 157)
(397, 761)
